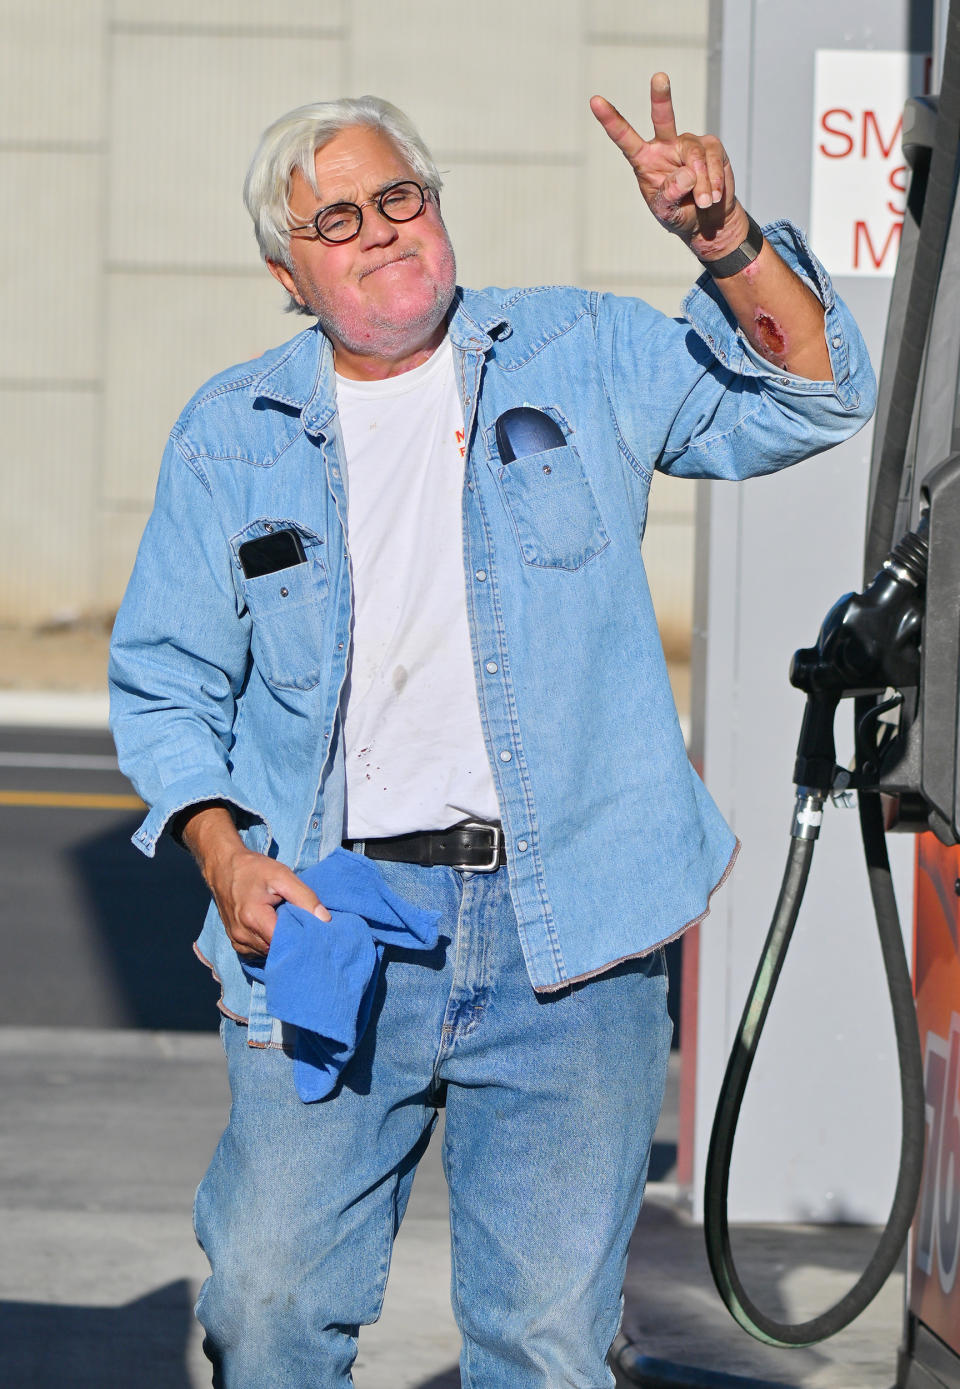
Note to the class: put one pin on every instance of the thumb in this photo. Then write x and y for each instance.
(295, 891)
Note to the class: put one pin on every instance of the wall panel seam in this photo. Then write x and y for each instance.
(153, 30)
(52, 146)
(598, 279)
(90, 386)
(612, 39)
(514, 157)
(236, 272)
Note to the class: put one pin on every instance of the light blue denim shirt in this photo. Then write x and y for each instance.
(228, 687)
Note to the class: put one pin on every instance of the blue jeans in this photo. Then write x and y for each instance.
(551, 1104)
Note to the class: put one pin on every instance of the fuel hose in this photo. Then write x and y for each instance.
(729, 1284)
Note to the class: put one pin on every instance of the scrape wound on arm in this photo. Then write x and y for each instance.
(769, 338)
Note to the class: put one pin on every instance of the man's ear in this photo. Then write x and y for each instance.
(281, 273)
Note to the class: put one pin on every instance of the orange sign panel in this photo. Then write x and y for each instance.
(935, 1242)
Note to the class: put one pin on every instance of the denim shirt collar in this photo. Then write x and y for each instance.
(304, 377)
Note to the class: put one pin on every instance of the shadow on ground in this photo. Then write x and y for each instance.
(663, 1160)
(147, 914)
(95, 934)
(142, 1345)
(674, 1313)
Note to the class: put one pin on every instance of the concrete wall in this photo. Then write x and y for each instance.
(128, 268)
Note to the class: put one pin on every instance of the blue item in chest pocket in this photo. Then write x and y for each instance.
(524, 430)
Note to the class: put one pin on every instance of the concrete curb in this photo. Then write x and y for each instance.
(55, 708)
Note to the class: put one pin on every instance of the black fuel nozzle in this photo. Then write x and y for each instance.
(868, 642)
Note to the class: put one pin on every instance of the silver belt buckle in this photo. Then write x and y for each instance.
(496, 832)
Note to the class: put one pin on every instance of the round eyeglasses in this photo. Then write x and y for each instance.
(340, 222)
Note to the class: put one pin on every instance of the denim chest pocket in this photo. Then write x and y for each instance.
(554, 512)
(286, 608)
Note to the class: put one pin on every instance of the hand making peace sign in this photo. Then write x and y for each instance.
(686, 180)
(687, 183)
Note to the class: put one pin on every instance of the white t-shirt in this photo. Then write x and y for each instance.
(414, 746)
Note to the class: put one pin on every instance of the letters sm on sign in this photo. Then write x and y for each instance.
(859, 175)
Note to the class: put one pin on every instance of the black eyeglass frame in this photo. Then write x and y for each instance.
(357, 208)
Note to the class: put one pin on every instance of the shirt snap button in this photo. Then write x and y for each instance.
(522, 845)
(481, 574)
(284, 593)
(506, 756)
(547, 468)
(492, 667)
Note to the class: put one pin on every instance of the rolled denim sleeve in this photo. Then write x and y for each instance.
(179, 656)
(701, 403)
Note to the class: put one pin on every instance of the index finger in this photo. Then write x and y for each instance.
(621, 132)
(661, 107)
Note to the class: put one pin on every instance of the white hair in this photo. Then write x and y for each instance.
(291, 143)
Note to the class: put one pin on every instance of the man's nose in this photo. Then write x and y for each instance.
(377, 230)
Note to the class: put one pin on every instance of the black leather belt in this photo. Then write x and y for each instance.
(473, 846)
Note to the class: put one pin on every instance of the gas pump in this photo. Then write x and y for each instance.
(891, 651)
(894, 651)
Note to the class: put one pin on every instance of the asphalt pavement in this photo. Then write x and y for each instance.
(113, 1097)
(75, 892)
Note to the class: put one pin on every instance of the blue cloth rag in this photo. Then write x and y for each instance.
(322, 975)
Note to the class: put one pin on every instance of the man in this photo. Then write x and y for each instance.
(454, 630)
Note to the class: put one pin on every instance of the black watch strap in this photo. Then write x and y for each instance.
(737, 260)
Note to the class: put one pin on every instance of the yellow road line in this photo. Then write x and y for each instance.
(78, 800)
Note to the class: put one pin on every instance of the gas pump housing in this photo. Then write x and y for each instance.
(913, 486)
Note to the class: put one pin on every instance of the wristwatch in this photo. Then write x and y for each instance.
(737, 260)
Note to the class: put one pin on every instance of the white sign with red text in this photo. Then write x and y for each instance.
(859, 174)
